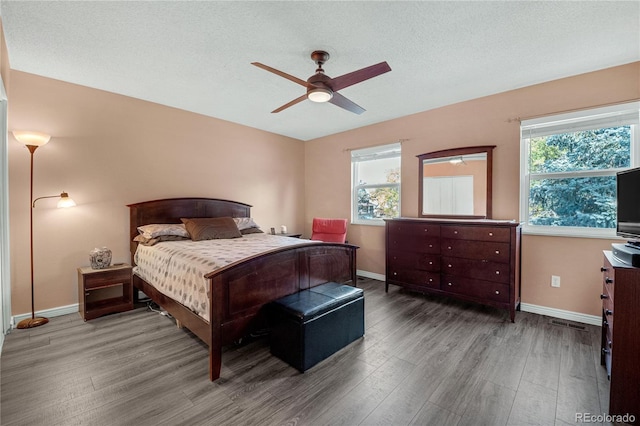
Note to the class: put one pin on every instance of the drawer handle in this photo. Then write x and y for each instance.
(449, 284)
(87, 293)
(491, 234)
(430, 263)
(604, 296)
(608, 312)
(608, 280)
(449, 265)
(606, 351)
(430, 280)
(605, 323)
(603, 269)
(449, 248)
(609, 344)
(430, 245)
(497, 292)
(426, 230)
(497, 272)
(497, 251)
(395, 273)
(455, 232)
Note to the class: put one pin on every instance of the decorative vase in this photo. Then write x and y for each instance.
(100, 258)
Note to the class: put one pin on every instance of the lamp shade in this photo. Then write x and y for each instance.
(31, 138)
(65, 201)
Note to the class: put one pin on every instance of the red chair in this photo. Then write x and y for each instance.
(329, 230)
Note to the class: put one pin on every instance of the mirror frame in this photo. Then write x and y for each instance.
(488, 149)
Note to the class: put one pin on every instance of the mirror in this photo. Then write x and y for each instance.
(456, 183)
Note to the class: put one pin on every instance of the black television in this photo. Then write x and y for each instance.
(628, 191)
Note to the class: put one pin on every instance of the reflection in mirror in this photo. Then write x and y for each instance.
(456, 183)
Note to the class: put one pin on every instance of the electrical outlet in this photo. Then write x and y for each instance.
(555, 281)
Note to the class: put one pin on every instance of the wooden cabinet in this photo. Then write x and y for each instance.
(474, 260)
(104, 291)
(621, 337)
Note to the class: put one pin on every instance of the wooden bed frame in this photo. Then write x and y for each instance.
(239, 291)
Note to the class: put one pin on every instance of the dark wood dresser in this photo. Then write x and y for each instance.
(621, 338)
(474, 260)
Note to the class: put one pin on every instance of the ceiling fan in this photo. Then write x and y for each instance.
(322, 88)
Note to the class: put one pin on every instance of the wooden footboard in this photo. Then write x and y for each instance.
(240, 291)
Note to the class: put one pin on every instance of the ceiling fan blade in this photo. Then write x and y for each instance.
(280, 73)
(293, 102)
(354, 77)
(345, 103)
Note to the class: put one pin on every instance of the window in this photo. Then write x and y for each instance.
(569, 164)
(375, 188)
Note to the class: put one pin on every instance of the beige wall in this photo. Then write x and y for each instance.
(109, 150)
(491, 120)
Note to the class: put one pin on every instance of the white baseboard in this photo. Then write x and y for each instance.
(561, 313)
(372, 275)
(524, 307)
(47, 313)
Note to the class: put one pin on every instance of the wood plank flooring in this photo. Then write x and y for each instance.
(424, 360)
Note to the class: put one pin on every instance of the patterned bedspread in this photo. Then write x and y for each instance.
(177, 268)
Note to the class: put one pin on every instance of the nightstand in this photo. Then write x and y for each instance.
(104, 291)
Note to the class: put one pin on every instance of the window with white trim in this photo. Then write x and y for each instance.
(375, 188)
(568, 169)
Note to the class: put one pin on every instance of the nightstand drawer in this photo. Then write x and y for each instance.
(107, 278)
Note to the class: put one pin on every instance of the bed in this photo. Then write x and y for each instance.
(238, 291)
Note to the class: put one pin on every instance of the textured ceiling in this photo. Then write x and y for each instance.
(196, 55)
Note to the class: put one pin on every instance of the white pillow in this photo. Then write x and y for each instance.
(158, 229)
(245, 223)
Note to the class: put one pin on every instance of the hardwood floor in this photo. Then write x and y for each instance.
(423, 361)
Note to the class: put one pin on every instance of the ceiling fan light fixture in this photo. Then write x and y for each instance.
(319, 94)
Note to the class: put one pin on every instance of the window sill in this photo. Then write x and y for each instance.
(379, 222)
(549, 231)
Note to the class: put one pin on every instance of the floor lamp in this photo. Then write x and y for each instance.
(33, 140)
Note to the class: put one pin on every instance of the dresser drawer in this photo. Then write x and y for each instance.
(607, 351)
(479, 250)
(414, 277)
(485, 290)
(488, 271)
(607, 326)
(608, 282)
(408, 260)
(413, 228)
(419, 243)
(607, 311)
(478, 233)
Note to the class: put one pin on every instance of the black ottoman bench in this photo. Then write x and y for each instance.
(311, 325)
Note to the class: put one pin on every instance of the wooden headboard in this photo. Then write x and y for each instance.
(170, 210)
